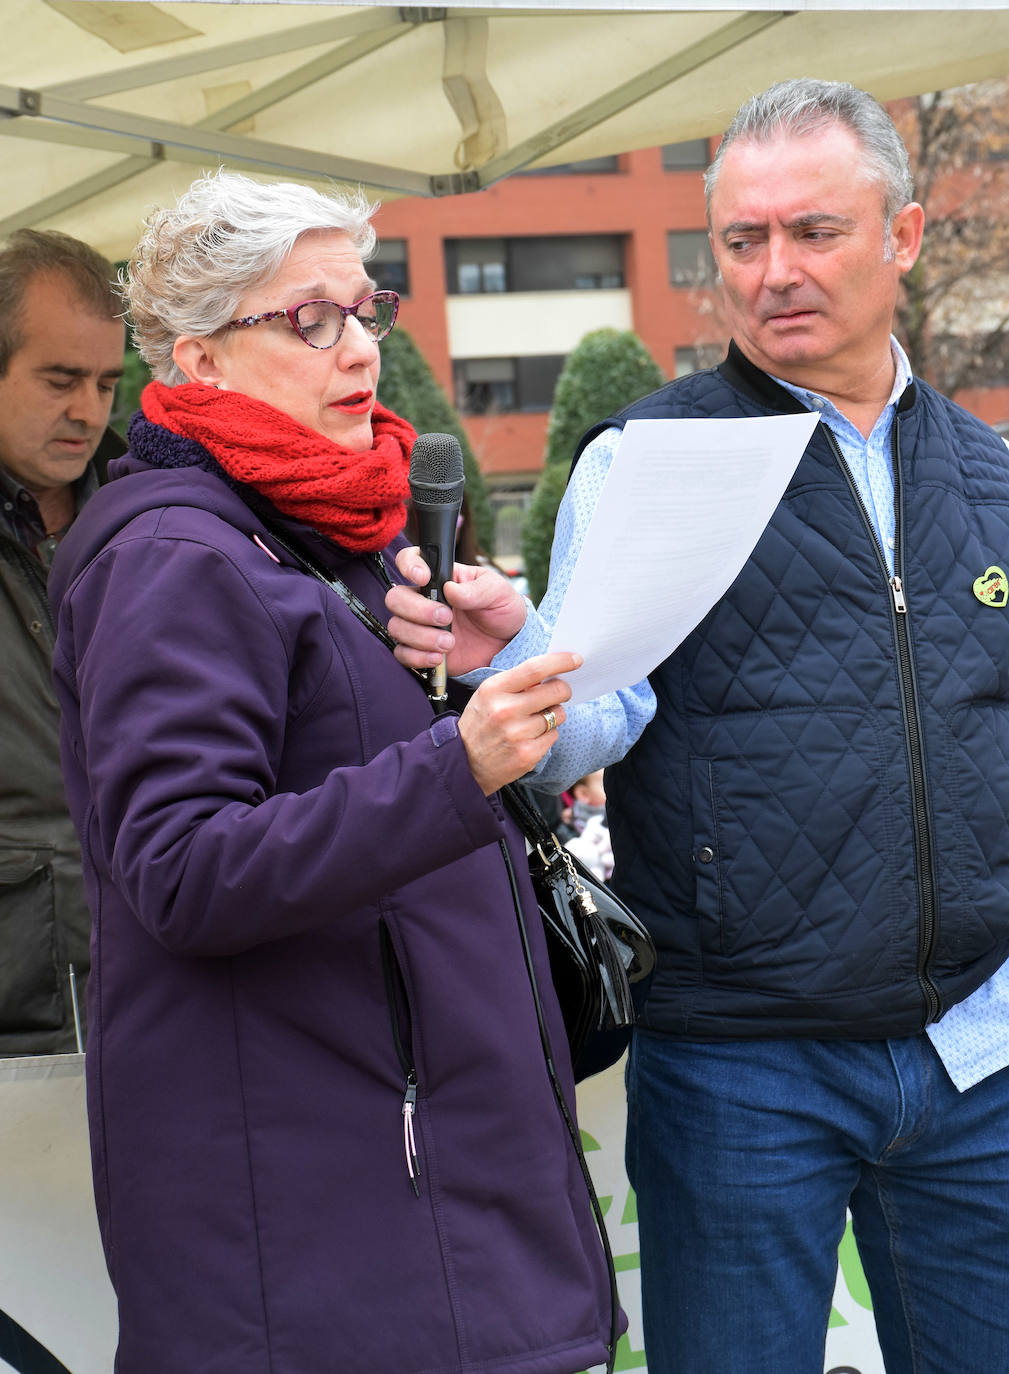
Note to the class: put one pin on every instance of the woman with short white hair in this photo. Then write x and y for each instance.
(323, 1127)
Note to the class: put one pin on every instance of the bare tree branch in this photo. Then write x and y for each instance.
(953, 317)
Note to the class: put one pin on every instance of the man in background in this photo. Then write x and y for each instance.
(61, 352)
(810, 808)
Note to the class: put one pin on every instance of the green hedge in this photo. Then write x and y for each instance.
(408, 386)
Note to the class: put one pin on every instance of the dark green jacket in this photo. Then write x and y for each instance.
(44, 921)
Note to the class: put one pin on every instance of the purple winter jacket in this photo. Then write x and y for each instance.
(299, 904)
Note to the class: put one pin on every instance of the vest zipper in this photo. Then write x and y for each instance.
(921, 818)
(395, 988)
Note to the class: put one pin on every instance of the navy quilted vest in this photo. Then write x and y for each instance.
(814, 825)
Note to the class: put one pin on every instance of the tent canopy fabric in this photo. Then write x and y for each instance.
(110, 107)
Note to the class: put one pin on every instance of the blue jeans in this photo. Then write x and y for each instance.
(744, 1157)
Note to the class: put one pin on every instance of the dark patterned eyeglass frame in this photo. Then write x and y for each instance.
(291, 313)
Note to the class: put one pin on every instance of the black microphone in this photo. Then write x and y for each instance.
(437, 481)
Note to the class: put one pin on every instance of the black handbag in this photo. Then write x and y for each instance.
(597, 946)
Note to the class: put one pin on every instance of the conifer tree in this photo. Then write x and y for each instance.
(136, 375)
(606, 371)
(538, 528)
(408, 386)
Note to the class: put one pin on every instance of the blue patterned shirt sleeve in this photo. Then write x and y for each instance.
(598, 732)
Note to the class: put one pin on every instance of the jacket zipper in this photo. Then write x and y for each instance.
(395, 988)
(920, 810)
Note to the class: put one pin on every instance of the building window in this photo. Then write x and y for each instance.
(563, 262)
(475, 265)
(687, 360)
(689, 156)
(484, 385)
(587, 167)
(582, 262)
(389, 266)
(536, 378)
(697, 358)
(690, 260)
(494, 385)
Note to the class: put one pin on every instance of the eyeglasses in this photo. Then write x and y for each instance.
(320, 323)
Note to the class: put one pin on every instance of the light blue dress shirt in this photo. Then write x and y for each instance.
(972, 1039)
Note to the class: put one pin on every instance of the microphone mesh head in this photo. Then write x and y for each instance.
(436, 459)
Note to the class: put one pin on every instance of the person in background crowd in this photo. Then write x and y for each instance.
(323, 1128)
(61, 351)
(590, 835)
(812, 820)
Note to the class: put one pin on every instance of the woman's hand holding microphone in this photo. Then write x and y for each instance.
(511, 720)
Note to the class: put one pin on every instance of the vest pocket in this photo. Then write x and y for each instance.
(802, 866)
(704, 853)
(30, 989)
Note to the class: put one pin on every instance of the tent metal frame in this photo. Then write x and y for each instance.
(71, 112)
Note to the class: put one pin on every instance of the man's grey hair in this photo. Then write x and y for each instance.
(803, 106)
(198, 258)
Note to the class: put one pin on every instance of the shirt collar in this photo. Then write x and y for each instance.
(902, 380)
(26, 507)
(9, 485)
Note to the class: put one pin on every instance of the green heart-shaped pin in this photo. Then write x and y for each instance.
(992, 588)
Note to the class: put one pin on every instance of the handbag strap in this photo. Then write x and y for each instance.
(349, 598)
(527, 815)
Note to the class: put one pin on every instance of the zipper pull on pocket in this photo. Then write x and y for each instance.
(409, 1143)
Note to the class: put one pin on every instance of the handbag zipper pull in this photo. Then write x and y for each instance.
(586, 901)
(616, 1003)
(579, 891)
(409, 1142)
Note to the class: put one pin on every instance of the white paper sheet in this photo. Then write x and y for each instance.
(680, 512)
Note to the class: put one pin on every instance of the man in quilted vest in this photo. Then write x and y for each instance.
(809, 807)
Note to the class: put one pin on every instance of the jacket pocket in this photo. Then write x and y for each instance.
(31, 996)
(401, 1021)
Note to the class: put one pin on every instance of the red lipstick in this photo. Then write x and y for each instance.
(358, 403)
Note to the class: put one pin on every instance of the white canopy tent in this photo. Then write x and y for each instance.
(108, 107)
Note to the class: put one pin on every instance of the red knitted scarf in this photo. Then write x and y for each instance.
(356, 499)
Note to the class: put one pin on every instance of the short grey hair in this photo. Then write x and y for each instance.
(227, 233)
(802, 106)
